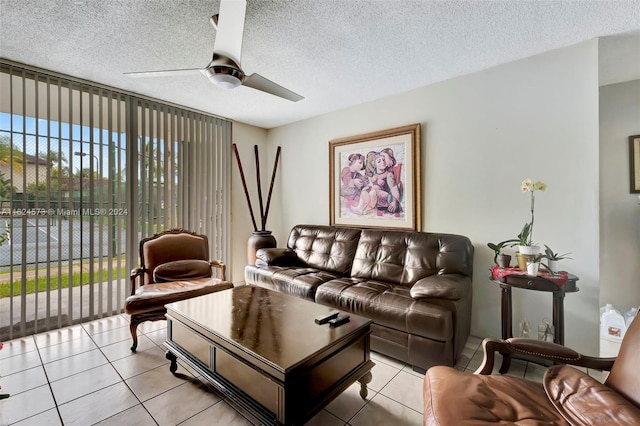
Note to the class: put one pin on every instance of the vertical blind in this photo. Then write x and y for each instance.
(85, 172)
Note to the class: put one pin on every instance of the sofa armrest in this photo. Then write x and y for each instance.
(448, 286)
(541, 350)
(277, 257)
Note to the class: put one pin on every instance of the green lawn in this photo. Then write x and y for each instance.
(77, 279)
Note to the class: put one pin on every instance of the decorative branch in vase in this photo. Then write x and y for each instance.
(260, 238)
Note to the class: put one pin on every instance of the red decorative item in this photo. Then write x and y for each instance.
(559, 278)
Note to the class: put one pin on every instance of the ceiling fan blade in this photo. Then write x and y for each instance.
(230, 29)
(163, 73)
(214, 21)
(258, 82)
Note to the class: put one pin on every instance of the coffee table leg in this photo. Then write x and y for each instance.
(173, 367)
(363, 384)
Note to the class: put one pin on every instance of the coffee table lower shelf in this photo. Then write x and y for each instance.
(295, 400)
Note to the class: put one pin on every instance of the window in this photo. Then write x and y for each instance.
(86, 172)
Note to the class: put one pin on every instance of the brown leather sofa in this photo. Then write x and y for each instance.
(566, 396)
(415, 286)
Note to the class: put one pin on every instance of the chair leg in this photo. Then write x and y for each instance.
(137, 319)
(133, 327)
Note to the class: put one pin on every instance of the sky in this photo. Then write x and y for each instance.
(27, 131)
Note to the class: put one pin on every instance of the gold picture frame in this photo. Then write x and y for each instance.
(634, 163)
(374, 179)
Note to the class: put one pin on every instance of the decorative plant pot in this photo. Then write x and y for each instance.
(503, 260)
(532, 268)
(554, 265)
(258, 240)
(522, 260)
(529, 249)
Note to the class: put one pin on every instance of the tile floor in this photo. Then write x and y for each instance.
(86, 374)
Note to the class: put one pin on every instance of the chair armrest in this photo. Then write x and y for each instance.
(135, 273)
(583, 400)
(541, 350)
(219, 264)
(277, 257)
(448, 286)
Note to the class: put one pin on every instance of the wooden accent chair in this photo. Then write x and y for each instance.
(567, 396)
(174, 265)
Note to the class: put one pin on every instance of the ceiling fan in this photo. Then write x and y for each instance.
(224, 69)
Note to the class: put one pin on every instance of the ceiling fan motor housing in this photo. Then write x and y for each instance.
(224, 72)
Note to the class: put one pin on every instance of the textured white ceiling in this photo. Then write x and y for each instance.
(335, 53)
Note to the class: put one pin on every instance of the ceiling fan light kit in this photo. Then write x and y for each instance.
(225, 78)
(224, 72)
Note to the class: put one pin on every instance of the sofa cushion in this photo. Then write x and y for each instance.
(452, 287)
(582, 400)
(402, 257)
(300, 282)
(388, 305)
(325, 247)
(397, 257)
(180, 270)
(485, 400)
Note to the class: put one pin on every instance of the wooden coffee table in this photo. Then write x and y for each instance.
(263, 349)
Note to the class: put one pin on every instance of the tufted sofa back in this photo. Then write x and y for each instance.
(404, 257)
(394, 256)
(325, 247)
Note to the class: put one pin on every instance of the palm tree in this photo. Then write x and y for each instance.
(59, 173)
(150, 152)
(10, 155)
(7, 191)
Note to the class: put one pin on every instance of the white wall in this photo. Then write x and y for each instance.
(619, 209)
(481, 135)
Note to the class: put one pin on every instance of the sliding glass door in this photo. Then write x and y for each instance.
(85, 173)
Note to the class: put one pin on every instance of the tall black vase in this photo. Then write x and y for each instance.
(258, 240)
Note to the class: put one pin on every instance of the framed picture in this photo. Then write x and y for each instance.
(634, 162)
(374, 179)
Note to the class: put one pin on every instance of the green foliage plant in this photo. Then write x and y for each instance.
(497, 247)
(550, 255)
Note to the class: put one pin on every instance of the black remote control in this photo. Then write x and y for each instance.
(323, 319)
(339, 320)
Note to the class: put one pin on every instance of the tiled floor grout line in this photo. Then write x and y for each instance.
(48, 384)
(140, 402)
(88, 331)
(46, 375)
(119, 375)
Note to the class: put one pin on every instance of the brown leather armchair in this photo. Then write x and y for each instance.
(567, 396)
(174, 266)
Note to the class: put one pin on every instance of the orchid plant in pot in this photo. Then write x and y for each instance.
(525, 238)
(526, 247)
